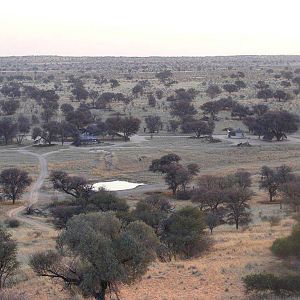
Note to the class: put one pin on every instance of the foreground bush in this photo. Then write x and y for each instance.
(184, 233)
(288, 246)
(12, 223)
(264, 282)
(8, 257)
(95, 254)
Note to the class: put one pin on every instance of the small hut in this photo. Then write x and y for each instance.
(86, 139)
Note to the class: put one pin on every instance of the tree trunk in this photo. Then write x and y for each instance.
(237, 224)
(270, 197)
(101, 294)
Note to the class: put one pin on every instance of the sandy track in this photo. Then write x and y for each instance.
(34, 191)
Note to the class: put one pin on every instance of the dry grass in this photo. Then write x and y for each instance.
(216, 275)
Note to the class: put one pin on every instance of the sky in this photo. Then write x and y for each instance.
(149, 28)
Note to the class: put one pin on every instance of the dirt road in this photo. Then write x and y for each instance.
(35, 189)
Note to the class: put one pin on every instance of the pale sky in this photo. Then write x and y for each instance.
(148, 28)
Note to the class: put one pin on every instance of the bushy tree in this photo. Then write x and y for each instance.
(182, 109)
(212, 108)
(129, 126)
(23, 128)
(275, 124)
(265, 94)
(8, 129)
(153, 210)
(213, 91)
(184, 233)
(160, 165)
(272, 179)
(75, 186)
(8, 257)
(199, 127)
(238, 207)
(153, 123)
(14, 182)
(97, 254)
(230, 88)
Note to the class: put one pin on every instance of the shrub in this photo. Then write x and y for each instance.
(289, 246)
(63, 213)
(184, 233)
(13, 223)
(289, 284)
(184, 195)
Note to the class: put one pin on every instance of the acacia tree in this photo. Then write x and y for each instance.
(75, 186)
(14, 182)
(164, 77)
(8, 257)
(183, 109)
(230, 88)
(273, 124)
(67, 108)
(48, 133)
(212, 108)
(177, 176)
(8, 129)
(94, 95)
(279, 123)
(238, 207)
(80, 117)
(129, 126)
(272, 179)
(65, 130)
(281, 95)
(240, 111)
(213, 91)
(153, 124)
(161, 165)
(265, 94)
(97, 254)
(23, 128)
(79, 90)
(199, 127)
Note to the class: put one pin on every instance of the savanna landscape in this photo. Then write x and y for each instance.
(212, 146)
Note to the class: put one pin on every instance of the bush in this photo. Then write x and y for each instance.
(289, 284)
(184, 195)
(184, 233)
(289, 246)
(12, 223)
(63, 213)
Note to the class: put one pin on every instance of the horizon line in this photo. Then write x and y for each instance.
(146, 56)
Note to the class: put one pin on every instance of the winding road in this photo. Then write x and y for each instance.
(35, 189)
